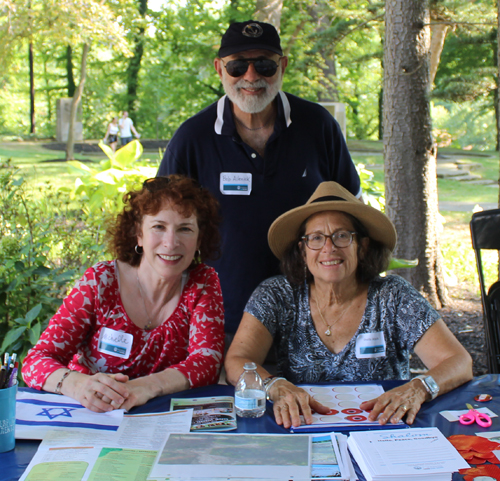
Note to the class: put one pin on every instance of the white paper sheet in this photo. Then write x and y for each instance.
(259, 456)
(80, 454)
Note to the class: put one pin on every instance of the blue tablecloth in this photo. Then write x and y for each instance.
(13, 463)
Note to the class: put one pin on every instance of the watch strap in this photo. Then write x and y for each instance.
(428, 385)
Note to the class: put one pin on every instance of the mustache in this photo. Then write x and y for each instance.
(258, 84)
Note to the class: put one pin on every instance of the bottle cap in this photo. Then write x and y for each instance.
(249, 366)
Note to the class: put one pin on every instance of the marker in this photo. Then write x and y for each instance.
(3, 375)
(13, 376)
(6, 359)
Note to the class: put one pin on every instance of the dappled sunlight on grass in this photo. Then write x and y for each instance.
(459, 257)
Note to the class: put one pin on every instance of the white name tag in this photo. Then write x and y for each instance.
(235, 183)
(115, 343)
(370, 344)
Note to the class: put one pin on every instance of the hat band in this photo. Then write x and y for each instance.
(327, 198)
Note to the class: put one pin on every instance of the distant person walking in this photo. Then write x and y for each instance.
(126, 129)
(111, 136)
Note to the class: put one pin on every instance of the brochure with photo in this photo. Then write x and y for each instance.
(209, 413)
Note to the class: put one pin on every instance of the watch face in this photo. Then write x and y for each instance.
(431, 384)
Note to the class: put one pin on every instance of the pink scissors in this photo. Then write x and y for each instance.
(468, 418)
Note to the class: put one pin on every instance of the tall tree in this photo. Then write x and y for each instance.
(410, 156)
(135, 61)
(70, 22)
(269, 11)
(69, 71)
(70, 154)
(32, 89)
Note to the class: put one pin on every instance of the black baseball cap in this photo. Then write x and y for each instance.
(250, 35)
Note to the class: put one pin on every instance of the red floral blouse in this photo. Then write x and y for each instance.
(191, 340)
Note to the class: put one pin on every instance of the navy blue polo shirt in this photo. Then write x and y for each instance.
(306, 148)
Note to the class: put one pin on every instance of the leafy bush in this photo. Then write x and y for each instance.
(31, 285)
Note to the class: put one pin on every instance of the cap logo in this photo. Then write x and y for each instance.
(252, 30)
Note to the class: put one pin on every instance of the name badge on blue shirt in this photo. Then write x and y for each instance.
(235, 183)
(115, 343)
(370, 344)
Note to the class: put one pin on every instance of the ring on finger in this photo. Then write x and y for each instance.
(404, 408)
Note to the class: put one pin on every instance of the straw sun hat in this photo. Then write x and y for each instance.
(330, 196)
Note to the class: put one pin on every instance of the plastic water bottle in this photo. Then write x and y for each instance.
(250, 395)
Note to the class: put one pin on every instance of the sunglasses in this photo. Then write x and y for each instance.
(263, 66)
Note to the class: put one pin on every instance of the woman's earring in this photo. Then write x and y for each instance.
(197, 256)
(139, 250)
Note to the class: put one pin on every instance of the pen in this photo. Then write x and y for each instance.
(9, 372)
(6, 359)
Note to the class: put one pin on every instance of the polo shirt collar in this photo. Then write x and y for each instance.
(224, 123)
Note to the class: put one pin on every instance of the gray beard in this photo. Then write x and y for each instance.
(252, 104)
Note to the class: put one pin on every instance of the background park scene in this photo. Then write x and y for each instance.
(154, 59)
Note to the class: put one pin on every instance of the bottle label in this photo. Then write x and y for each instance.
(248, 402)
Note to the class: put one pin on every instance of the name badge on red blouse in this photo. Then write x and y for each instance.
(115, 343)
(370, 344)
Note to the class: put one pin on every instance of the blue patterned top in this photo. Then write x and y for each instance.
(394, 308)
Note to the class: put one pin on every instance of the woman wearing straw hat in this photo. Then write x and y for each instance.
(333, 318)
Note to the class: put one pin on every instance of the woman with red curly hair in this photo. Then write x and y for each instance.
(150, 322)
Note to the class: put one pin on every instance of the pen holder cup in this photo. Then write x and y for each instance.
(8, 418)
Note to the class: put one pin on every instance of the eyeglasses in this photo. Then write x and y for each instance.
(156, 183)
(263, 66)
(317, 240)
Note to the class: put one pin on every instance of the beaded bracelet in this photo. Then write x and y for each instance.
(59, 384)
(270, 383)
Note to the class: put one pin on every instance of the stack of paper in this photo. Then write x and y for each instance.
(422, 454)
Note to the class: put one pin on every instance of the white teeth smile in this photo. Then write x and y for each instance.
(331, 263)
(170, 258)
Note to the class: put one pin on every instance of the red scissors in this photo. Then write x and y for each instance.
(475, 416)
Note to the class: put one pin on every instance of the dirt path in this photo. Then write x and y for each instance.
(464, 317)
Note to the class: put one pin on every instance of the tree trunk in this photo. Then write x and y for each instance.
(438, 36)
(74, 105)
(69, 71)
(410, 155)
(135, 62)
(32, 89)
(269, 11)
(498, 105)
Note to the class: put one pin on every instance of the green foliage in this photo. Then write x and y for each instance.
(31, 285)
(373, 191)
(100, 189)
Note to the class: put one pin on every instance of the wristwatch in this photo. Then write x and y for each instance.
(430, 385)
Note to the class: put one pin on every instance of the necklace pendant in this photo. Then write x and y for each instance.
(328, 332)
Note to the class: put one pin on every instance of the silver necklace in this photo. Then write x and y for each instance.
(328, 331)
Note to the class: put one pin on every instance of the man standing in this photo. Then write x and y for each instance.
(261, 152)
(126, 128)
